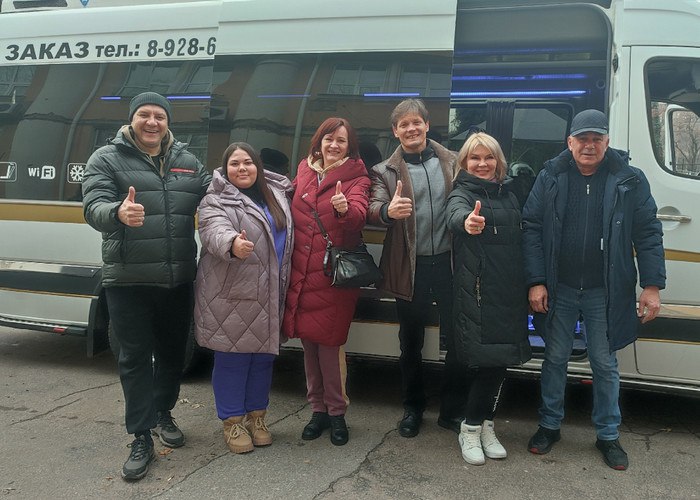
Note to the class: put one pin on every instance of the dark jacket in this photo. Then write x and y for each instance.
(630, 227)
(398, 261)
(316, 311)
(490, 297)
(239, 302)
(163, 251)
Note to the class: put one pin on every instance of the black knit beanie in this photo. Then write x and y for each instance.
(149, 98)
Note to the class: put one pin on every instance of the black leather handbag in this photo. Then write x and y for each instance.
(348, 267)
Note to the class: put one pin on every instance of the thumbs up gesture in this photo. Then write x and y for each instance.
(399, 207)
(242, 247)
(131, 213)
(475, 223)
(338, 200)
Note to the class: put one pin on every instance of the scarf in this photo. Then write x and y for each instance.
(317, 166)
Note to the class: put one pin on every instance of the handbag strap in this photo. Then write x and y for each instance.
(329, 244)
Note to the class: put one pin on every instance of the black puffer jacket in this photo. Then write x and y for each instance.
(163, 251)
(490, 298)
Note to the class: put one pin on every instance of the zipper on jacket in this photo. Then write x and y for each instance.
(493, 213)
(170, 157)
(585, 232)
(432, 214)
(477, 290)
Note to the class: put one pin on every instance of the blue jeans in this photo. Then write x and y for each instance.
(569, 303)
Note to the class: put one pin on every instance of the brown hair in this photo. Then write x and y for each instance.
(260, 182)
(329, 126)
(483, 139)
(409, 107)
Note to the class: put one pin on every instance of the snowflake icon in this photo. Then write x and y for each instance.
(76, 172)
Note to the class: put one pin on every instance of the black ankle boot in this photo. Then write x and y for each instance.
(339, 430)
(319, 421)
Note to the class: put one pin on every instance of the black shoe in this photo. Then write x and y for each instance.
(613, 454)
(142, 453)
(543, 440)
(339, 430)
(318, 423)
(410, 424)
(451, 423)
(167, 431)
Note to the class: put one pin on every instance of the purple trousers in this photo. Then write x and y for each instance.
(241, 382)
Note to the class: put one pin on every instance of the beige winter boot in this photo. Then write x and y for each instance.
(257, 428)
(236, 435)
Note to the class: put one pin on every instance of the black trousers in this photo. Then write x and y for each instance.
(151, 325)
(432, 282)
(484, 386)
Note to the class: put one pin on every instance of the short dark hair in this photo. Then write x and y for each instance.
(409, 106)
(329, 126)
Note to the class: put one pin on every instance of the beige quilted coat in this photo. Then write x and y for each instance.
(239, 303)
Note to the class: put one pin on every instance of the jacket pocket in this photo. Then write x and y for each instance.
(241, 282)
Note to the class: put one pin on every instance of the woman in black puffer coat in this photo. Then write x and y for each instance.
(490, 297)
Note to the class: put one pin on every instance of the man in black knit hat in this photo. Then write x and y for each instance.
(141, 191)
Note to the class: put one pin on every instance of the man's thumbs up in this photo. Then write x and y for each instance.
(131, 213)
(242, 247)
(399, 207)
(475, 223)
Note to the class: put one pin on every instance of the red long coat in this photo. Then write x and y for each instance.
(316, 311)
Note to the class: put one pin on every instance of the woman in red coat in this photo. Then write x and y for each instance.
(333, 182)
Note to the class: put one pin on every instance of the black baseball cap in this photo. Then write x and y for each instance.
(589, 120)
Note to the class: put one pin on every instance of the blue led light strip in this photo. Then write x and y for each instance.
(479, 78)
(522, 93)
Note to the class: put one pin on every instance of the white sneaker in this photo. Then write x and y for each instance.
(492, 447)
(470, 442)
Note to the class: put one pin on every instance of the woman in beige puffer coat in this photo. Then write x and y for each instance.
(245, 228)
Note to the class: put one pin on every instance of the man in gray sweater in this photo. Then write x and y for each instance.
(409, 193)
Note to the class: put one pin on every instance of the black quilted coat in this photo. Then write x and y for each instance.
(490, 297)
(163, 251)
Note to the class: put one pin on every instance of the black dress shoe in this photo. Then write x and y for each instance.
(339, 430)
(319, 421)
(410, 424)
(451, 423)
(543, 440)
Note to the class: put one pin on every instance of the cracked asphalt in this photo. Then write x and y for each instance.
(61, 416)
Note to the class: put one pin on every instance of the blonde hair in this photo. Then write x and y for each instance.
(482, 139)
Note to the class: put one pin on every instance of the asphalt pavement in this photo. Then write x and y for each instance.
(63, 436)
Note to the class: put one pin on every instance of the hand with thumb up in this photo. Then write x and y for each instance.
(131, 213)
(242, 247)
(338, 200)
(399, 207)
(475, 223)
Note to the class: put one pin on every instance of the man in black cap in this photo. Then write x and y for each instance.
(588, 214)
(141, 191)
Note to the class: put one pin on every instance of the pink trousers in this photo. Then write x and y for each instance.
(326, 373)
